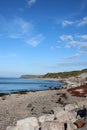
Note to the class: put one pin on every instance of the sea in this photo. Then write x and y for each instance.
(12, 85)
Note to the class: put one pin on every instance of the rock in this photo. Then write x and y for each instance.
(52, 125)
(81, 103)
(48, 117)
(25, 124)
(28, 126)
(57, 109)
(71, 126)
(64, 116)
(12, 128)
(70, 107)
(56, 125)
(31, 121)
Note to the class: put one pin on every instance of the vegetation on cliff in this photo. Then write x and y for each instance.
(65, 74)
(57, 75)
(31, 76)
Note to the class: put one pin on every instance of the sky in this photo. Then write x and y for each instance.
(41, 36)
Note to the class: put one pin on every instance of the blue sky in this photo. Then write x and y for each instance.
(41, 36)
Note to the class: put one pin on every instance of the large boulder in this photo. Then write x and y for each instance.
(52, 125)
(64, 116)
(70, 107)
(28, 122)
(56, 125)
(12, 128)
(48, 117)
(28, 126)
(57, 109)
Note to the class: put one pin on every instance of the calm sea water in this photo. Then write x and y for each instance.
(10, 85)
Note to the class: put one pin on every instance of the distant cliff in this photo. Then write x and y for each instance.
(65, 74)
(31, 76)
(58, 75)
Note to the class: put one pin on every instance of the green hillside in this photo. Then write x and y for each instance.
(31, 76)
(65, 74)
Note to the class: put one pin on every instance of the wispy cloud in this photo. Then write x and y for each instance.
(34, 41)
(84, 37)
(66, 37)
(15, 28)
(56, 47)
(68, 64)
(78, 23)
(31, 2)
(24, 25)
(82, 22)
(19, 28)
(80, 45)
(66, 23)
(73, 56)
(77, 42)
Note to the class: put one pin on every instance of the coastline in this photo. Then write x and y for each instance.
(20, 91)
(14, 107)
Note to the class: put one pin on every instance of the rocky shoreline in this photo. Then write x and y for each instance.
(15, 107)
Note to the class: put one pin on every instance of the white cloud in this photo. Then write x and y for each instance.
(83, 48)
(34, 41)
(66, 23)
(31, 2)
(77, 42)
(78, 23)
(82, 22)
(23, 26)
(56, 47)
(84, 37)
(80, 45)
(73, 56)
(66, 37)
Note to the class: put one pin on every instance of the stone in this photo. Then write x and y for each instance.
(70, 107)
(52, 125)
(56, 125)
(81, 103)
(31, 121)
(71, 126)
(48, 117)
(12, 128)
(57, 109)
(64, 116)
(26, 126)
